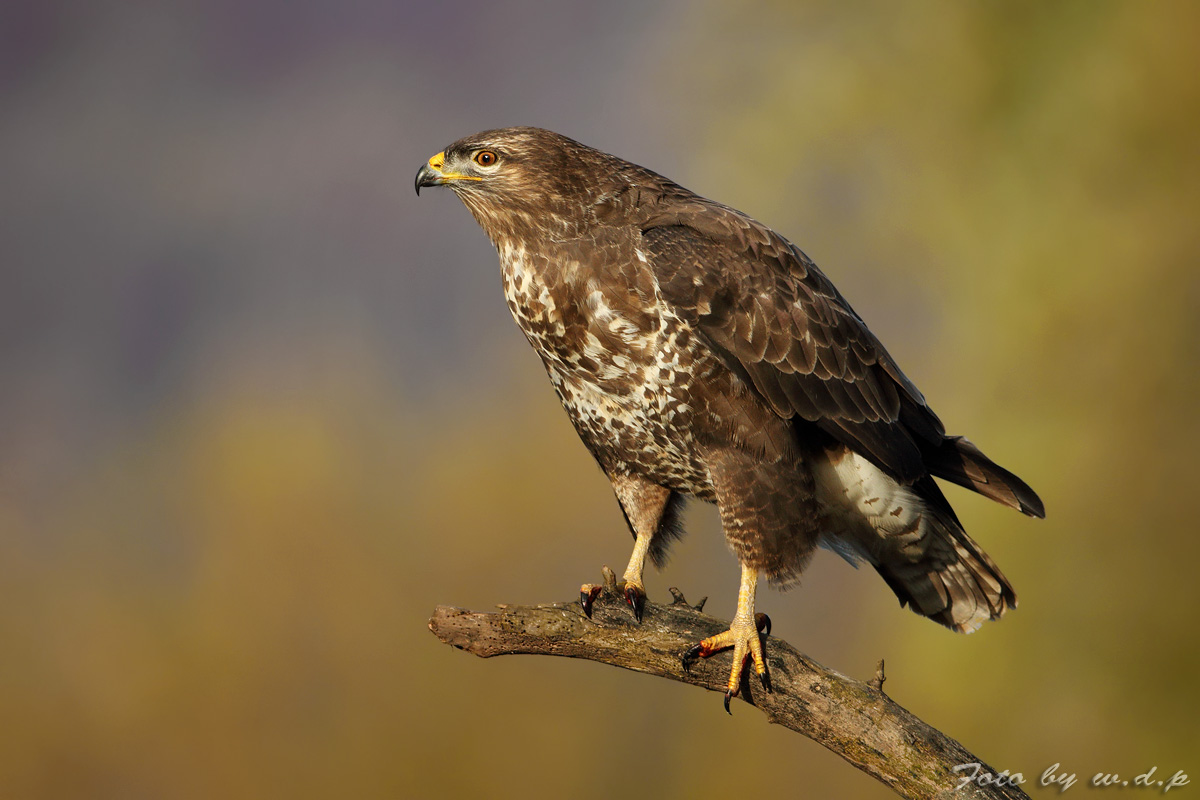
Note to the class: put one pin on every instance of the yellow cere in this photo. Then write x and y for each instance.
(439, 160)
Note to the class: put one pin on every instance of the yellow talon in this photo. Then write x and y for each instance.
(743, 636)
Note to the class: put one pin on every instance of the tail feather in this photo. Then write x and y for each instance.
(955, 583)
(959, 461)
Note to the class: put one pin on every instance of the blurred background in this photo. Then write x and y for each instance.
(261, 409)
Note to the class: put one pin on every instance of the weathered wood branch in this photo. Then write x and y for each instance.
(855, 720)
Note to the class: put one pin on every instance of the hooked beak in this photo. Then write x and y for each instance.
(431, 173)
(427, 176)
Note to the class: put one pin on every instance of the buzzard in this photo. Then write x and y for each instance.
(699, 353)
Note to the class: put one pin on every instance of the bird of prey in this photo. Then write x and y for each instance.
(700, 354)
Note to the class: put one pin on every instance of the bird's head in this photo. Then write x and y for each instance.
(512, 176)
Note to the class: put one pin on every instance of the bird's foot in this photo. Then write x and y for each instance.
(590, 591)
(632, 591)
(635, 596)
(746, 639)
(630, 588)
(587, 596)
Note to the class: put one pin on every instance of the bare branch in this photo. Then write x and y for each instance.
(857, 721)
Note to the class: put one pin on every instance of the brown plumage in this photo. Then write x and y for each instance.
(699, 353)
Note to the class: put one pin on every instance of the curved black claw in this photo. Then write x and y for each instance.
(728, 697)
(635, 596)
(587, 596)
(766, 682)
(763, 623)
(690, 656)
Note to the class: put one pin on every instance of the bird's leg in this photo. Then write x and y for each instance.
(631, 582)
(644, 504)
(743, 636)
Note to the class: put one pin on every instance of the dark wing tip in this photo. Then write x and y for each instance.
(958, 460)
(1031, 504)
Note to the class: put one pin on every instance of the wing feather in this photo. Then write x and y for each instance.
(766, 309)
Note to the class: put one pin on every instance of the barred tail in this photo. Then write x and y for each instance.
(957, 585)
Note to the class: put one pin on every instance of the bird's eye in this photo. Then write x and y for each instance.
(485, 158)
